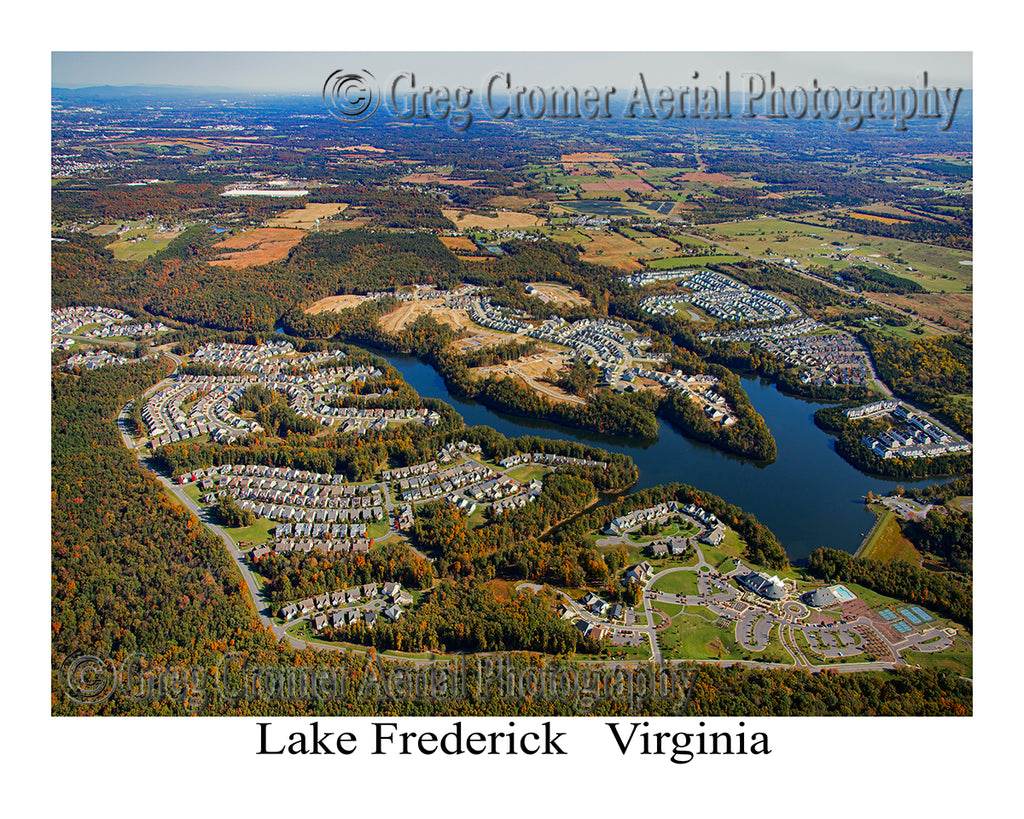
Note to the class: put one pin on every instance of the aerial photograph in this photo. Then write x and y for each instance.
(511, 385)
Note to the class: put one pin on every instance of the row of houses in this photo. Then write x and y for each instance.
(651, 514)
(351, 606)
(549, 459)
(268, 358)
(134, 330)
(68, 320)
(328, 544)
(94, 359)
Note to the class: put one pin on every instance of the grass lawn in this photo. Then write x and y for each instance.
(639, 654)
(193, 491)
(668, 609)
(684, 582)
(528, 472)
(689, 638)
(886, 543)
(377, 529)
(959, 658)
(671, 529)
(256, 534)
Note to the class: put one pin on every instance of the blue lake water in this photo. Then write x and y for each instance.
(809, 496)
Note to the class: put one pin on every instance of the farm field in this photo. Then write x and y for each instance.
(305, 218)
(256, 247)
(136, 246)
(454, 243)
(937, 269)
(505, 220)
(614, 250)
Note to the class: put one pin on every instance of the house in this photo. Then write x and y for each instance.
(322, 601)
(320, 622)
(338, 619)
(393, 612)
(369, 618)
(306, 606)
(715, 535)
(289, 612)
(640, 573)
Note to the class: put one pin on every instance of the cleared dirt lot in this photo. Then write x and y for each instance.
(408, 312)
(335, 303)
(256, 247)
(532, 370)
(560, 294)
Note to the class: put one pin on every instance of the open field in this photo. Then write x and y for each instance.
(512, 202)
(454, 243)
(560, 294)
(439, 179)
(686, 262)
(505, 220)
(693, 638)
(256, 247)
(590, 156)
(136, 246)
(335, 303)
(955, 309)
(613, 249)
(305, 218)
(936, 268)
(619, 184)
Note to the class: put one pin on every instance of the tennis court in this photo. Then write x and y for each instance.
(910, 617)
(920, 612)
(888, 615)
(902, 627)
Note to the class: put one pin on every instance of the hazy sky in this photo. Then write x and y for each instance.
(306, 71)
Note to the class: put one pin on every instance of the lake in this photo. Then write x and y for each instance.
(809, 497)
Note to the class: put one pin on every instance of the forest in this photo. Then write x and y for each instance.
(934, 374)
